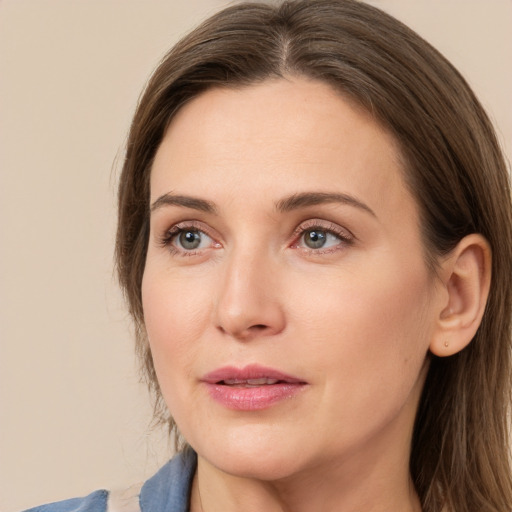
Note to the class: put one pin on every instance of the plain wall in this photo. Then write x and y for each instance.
(73, 416)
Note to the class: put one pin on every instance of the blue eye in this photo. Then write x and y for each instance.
(317, 237)
(188, 239)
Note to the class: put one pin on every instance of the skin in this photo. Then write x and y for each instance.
(354, 319)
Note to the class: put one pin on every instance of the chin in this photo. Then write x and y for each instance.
(252, 454)
(263, 466)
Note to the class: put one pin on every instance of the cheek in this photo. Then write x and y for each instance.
(368, 331)
(175, 317)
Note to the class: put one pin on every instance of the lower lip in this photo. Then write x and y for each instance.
(253, 399)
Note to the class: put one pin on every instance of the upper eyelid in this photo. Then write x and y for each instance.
(192, 224)
(326, 225)
(165, 236)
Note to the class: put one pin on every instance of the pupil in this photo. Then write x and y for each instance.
(315, 239)
(190, 239)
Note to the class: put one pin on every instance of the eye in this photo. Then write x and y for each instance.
(187, 240)
(317, 238)
(190, 239)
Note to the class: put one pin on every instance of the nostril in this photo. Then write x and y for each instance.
(258, 327)
(252, 329)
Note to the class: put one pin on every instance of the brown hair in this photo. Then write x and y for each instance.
(455, 169)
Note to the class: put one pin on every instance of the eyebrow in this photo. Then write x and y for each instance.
(287, 204)
(306, 199)
(194, 203)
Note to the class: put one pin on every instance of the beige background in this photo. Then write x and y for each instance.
(73, 417)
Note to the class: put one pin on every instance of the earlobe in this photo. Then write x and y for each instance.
(466, 277)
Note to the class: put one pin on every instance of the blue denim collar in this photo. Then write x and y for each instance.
(169, 489)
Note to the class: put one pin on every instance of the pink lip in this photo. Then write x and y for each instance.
(245, 396)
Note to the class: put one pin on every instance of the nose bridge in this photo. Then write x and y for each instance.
(248, 302)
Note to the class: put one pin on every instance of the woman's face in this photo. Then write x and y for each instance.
(286, 298)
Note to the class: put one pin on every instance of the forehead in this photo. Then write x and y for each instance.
(274, 138)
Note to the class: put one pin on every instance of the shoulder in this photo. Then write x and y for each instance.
(95, 502)
(167, 491)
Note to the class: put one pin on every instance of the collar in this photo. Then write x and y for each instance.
(169, 489)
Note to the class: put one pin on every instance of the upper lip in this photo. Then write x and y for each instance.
(250, 372)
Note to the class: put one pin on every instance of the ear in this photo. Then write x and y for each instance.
(466, 279)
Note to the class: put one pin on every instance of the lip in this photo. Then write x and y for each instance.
(241, 395)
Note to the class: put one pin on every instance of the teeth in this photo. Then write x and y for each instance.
(260, 382)
(250, 382)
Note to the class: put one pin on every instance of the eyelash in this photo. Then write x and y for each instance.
(345, 237)
(170, 235)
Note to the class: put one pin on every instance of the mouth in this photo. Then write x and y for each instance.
(250, 383)
(251, 388)
(252, 375)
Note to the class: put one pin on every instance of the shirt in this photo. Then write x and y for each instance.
(167, 491)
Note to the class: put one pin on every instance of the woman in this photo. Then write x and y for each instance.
(314, 239)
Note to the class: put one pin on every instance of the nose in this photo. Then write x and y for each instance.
(249, 304)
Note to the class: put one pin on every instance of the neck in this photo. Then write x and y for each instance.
(375, 479)
(301, 495)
